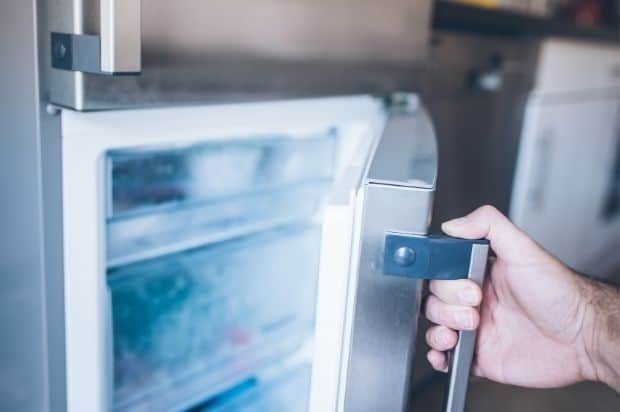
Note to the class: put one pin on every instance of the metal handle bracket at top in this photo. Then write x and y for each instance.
(117, 50)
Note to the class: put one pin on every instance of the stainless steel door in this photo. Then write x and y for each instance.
(188, 51)
(391, 255)
(397, 195)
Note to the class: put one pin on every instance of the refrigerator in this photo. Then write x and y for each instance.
(234, 206)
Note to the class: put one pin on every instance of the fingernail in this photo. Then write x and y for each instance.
(453, 224)
(468, 296)
(464, 319)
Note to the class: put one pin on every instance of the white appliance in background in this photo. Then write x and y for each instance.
(566, 190)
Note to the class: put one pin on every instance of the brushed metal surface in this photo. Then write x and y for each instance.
(121, 36)
(407, 155)
(387, 307)
(65, 87)
(397, 196)
(31, 298)
(236, 50)
(460, 363)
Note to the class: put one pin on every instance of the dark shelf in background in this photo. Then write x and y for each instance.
(463, 18)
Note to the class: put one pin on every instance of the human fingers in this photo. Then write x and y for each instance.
(441, 338)
(457, 292)
(438, 360)
(507, 241)
(456, 317)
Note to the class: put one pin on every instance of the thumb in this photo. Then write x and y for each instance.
(506, 240)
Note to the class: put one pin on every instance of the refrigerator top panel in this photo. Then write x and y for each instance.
(227, 50)
(407, 162)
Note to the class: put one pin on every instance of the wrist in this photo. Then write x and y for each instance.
(600, 333)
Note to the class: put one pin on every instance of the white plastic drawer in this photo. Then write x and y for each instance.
(147, 179)
(157, 234)
(189, 325)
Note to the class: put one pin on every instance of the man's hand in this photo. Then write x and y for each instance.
(540, 324)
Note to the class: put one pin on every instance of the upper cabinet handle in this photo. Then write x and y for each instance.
(116, 51)
(542, 161)
(121, 36)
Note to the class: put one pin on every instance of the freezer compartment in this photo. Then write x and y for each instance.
(191, 325)
(285, 392)
(147, 180)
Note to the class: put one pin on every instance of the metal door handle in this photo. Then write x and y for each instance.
(121, 36)
(460, 363)
(446, 258)
(117, 50)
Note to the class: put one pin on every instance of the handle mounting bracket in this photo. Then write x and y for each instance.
(428, 257)
(76, 52)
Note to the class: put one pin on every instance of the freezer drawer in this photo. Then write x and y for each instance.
(189, 324)
(188, 51)
(165, 199)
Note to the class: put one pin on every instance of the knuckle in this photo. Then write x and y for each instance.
(450, 338)
(475, 318)
(462, 318)
(438, 287)
(489, 210)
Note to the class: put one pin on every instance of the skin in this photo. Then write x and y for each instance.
(540, 324)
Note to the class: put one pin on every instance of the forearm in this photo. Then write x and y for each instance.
(602, 335)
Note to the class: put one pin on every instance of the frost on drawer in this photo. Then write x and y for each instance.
(164, 200)
(212, 253)
(191, 323)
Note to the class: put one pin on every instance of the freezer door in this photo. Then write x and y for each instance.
(192, 239)
(187, 51)
(367, 322)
